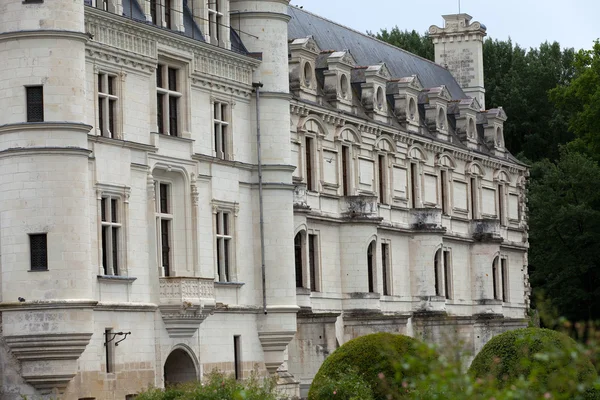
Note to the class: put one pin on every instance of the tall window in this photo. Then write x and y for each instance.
(413, 185)
(168, 96)
(111, 233)
(385, 268)
(444, 191)
(382, 179)
(109, 350)
(313, 246)
(447, 275)
(495, 278)
(309, 164)
(107, 105)
(443, 273)
(501, 204)
(371, 266)
(168, 9)
(437, 273)
(221, 126)
(154, 10)
(299, 259)
(215, 19)
(35, 103)
(224, 240)
(237, 356)
(346, 171)
(474, 203)
(164, 217)
(38, 251)
(504, 272)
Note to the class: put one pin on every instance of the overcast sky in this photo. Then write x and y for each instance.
(573, 23)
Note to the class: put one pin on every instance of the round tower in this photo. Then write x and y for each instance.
(45, 269)
(263, 28)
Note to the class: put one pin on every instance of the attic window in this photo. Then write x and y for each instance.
(471, 128)
(412, 109)
(379, 98)
(308, 74)
(344, 86)
(441, 118)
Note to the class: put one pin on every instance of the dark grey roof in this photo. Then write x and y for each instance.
(370, 51)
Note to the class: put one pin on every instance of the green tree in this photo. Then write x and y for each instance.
(564, 220)
(412, 41)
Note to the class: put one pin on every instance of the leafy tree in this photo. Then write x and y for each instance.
(564, 224)
(412, 41)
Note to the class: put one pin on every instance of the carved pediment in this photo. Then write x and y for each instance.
(439, 92)
(469, 104)
(343, 57)
(308, 44)
(496, 113)
(379, 70)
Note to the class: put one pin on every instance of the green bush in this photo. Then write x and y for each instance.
(549, 359)
(373, 359)
(217, 386)
(347, 386)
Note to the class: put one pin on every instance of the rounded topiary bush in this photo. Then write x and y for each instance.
(550, 359)
(374, 359)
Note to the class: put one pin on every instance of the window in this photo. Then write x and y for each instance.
(38, 251)
(221, 126)
(309, 173)
(444, 191)
(107, 105)
(501, 204)
(168, 96)
(447, 275)
(382, 179)
(109, 350)
(164, 219)
(413, 185)
(168, 9)
(237, 356)
(346, 191)
(111, 235)
(154, 11)
(371, 266)
(385, 269)
(313, 255)
(474, 204)
(504, 272)
(215, 20)
(495, 278)
(299, 259)
(224, 241)
(437, 273)
(35, 103)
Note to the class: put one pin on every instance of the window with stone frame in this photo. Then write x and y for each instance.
(371, 262)
(504, 278)
(443, 273)
(108, 105)
(314, 265)
(386, 266)
(35, 103)
(169, 95)
(38, 251)
(215, 20)
(164, 226)
(300, 258)
(224, 217)
(112, 236)
(222, 130)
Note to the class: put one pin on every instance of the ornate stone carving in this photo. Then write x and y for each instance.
(360, 207)
(185, 303)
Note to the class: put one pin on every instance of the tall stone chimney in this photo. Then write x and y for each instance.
(459, 47)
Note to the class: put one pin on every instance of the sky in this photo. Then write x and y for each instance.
(572, 23)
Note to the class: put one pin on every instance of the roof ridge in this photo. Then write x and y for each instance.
(367, 36)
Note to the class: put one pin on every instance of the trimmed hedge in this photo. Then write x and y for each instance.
(549, 358)
(373, 359)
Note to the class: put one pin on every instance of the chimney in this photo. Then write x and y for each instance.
(459, 47)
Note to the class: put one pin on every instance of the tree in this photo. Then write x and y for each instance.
(418, 44)
(564, 223)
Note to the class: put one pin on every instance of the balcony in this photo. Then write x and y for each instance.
(486, 230)
(362, 207)
(426, 219)
(184, 303)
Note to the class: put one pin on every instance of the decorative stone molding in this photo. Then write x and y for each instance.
(465, 112)
(274, 345)
(493, 130)
(486, 230)
(405, 94)
(426, 219)
(436, 108)
(184, 303)
(360, 207)
(300, 197)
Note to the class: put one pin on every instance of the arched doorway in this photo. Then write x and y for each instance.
(179, 368)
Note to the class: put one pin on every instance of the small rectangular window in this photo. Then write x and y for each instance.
(370, 267)
(154, 11)
(447, 275)
(168, 99)
(346, 170)
(413, 185)
(224, 245)
(222, 133)
(474, 212)
(109, 350)
(436, 273)
(385, 266)
(299, 259)
(504, 272)
(309, 164)
(495, 278)
(107, 105)
(35, 103)
(38, 248)
(111, 232)
(444, 191)
(382, 179)
(237, 356)
(312, 261)
(501, 204)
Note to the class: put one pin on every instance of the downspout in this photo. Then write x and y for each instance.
(257, 86)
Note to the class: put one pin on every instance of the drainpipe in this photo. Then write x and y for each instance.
(257, 86)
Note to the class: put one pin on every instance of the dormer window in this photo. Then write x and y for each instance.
(380, 98)
(308, 74)
(471, 128)
(441, 118)
(215, 20)
(412, 109)
(344, 86)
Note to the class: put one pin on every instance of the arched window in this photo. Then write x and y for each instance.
(371, 267)
(299, 258)
(442, 265)
(437, 272)
(495, 278)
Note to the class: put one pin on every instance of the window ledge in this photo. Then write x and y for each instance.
(38, 270)
(116, 279)
(229, 284)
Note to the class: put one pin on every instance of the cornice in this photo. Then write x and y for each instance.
(44, 33)
(127, 307)
(44, 126)
(122, 143)
(263, 15)
(47, 305)
(56, 151)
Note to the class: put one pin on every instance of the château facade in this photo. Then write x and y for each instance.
(143, 242)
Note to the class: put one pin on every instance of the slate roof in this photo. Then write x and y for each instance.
(370, 51)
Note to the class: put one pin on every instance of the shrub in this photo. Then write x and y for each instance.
(550, 360)
(372, 359)
(348, 385)
(218, 386)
